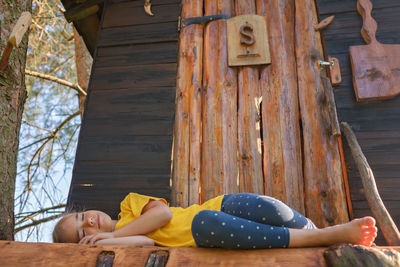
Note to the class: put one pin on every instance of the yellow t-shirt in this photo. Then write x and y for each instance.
(177, 233)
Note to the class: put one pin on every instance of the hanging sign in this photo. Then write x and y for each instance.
(247, 41)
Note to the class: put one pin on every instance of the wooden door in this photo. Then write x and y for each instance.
(265, 129)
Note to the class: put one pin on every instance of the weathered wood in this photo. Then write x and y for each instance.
(345, 255)
(330, 103)
(335, 75)
(376, 123)
(80, 11)
(280, 109)
(140, 148)
(249, 145)
(18, 31)
(105, 259)
(219, 119)
(376, 67)
(345, 179)
(187, 129)
(139, 34)
(18, 254)
(158, 258)
(129, 13)
(128, 55)
(379, 210)
(324, 23)
(340, 6)
(310, 257)
(138, 125)
(156, 75)
(20, 28)
(247, 40)
(325, 200)
(132, 102)
(45, 254)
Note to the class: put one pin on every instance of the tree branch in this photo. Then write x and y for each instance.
(385, 221)
(34, 223)
(57, 80)
(39, 150)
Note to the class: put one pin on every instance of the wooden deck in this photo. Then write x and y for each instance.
(44, 254)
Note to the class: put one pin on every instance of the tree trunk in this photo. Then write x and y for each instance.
(12, 99)
(83, 62)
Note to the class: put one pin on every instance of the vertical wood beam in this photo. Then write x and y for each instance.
(219, 139)
(187, 131)
(325, 200)
(280, 109)
(249, 139)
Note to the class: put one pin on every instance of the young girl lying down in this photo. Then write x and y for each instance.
(235, 221)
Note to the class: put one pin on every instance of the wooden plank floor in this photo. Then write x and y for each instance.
(44, 254)
(376, 124)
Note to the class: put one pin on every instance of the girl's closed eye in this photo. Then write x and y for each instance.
(83, 230)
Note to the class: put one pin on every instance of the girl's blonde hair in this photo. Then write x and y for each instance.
(59, 230)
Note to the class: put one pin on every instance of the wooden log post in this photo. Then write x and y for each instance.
(219, 114)
(249, 139)
(346, 255)
(280, 109)
(325, 200)
(187, 130)
(385, 221)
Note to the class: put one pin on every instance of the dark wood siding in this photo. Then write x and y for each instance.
(126, 136)
(376, 124)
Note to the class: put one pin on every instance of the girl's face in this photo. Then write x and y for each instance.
(78, 225)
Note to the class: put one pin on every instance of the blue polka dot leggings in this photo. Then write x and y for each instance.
(247, 221)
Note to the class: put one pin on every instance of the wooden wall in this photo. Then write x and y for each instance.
(126, 136)
(376, 124)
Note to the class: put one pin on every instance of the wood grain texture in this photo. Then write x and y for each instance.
(140, 75)
(309, 257)
(280, 110)
(375, 123)
(219, 118)
(376, 67)
(249, 139)
(348, 255)
(130, 13)
(139, 34)
(325, 200)
(344, 6)
(324, 23)
(126, 135)
(23, 253)
(141, 54)
(375, 202)
(335, 74)
(187, 129)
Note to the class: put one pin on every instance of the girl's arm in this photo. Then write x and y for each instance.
(138, 240)
(155, 214)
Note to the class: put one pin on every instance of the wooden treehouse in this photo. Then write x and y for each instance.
(191, 103)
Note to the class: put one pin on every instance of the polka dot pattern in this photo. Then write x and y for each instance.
(247, 221)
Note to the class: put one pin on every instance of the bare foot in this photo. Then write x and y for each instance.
(358, 232)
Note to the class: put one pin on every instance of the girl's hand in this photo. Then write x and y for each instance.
(91, 239)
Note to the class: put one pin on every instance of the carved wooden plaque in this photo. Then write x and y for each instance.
(247, 41)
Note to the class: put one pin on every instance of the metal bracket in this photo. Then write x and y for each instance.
(322, 64)
(183, 22)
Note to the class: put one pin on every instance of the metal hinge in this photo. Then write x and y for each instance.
(183, 22)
